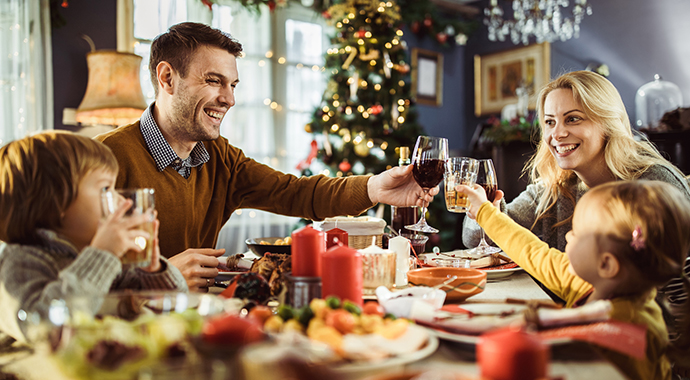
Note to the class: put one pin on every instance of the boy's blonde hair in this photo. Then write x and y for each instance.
(625, 157)
(39, 179)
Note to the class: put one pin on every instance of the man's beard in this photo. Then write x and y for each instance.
(183, 118)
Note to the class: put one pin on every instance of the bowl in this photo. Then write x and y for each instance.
(260, 249)
(400, 302)
(469, 281)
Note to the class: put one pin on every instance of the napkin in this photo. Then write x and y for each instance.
(358, 226)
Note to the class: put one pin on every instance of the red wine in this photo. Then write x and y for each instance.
(428, 173)
(490, 189)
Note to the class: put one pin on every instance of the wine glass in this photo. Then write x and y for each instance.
(428, 161)
(486, 178)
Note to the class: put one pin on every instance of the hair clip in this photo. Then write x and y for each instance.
(637, 241)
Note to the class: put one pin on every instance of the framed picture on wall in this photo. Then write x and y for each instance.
(498, 75)
(427, 77)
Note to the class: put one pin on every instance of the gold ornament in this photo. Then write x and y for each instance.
(307, 128)
(362, 149)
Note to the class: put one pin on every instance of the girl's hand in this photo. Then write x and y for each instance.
(156, 255)
(477, 196)
(117, 233)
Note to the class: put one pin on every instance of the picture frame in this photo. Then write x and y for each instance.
(497, 75)
(427, 77)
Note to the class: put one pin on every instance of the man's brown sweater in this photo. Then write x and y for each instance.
(192, 211)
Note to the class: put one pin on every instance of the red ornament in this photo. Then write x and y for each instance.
(441, 37)
(360, 33)
(271, 5)
(345, 166)
(64, 4)
(377, 109)
(428, 22)
(415, 27)
(326, 15)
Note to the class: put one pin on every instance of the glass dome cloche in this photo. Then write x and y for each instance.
(653, 100)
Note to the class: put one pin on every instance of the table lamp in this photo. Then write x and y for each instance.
(113, 94)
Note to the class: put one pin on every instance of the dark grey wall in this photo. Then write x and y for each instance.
(96, 19)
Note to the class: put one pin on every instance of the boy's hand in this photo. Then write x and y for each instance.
(117, 233)
(477, 196)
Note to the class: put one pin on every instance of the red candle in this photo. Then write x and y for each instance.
(342, 274)
(308, 245)
(333, 234)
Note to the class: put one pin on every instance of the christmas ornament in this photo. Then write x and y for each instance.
(415, 27)
(349, 59)
(377, 109)
(302, 165)
(373, 54)
(441, 37)
(65, 4)
(461, 39)
(360, 33)
(428, 22)
(307, 128)
(362, 149)
(345, 166)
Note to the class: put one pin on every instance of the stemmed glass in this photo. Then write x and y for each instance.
(486, 178)
(428, 161)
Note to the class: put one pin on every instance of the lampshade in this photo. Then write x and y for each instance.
(113, 94)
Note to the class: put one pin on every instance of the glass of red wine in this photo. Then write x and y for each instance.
(486, 178)
(429, 162)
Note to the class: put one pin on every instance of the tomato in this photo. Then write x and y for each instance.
(373, 307)
(341, 320)
(232, 330)
(261, 313)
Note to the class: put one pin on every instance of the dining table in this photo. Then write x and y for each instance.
(571, 360)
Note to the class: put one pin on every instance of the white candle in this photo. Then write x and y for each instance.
(401, 247)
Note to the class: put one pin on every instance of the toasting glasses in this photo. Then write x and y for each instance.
(428, 160)
(486, 178)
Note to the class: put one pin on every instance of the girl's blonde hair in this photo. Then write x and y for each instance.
(39, 179)
(625, 157)
(648, 224)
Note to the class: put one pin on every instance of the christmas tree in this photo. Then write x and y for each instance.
(366, 111)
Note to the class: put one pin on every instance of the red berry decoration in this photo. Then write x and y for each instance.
(360, 33)
(441, 37)
(428, 22)
(377, 109)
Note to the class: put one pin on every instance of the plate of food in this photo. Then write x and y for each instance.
(500, 271)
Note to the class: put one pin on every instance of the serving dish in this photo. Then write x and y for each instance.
(260, 249)
(468, 281)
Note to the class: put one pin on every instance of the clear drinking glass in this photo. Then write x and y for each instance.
(459, 171)
(486, 178)
(142, 202)
(429, 161)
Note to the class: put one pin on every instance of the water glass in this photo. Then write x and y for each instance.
(459, 171)
(142, 202)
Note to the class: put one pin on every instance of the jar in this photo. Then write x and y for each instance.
(653, 100)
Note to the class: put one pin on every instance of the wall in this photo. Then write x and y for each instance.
(96, 19)
(635, 38)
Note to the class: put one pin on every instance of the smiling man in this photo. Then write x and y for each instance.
(200, 179)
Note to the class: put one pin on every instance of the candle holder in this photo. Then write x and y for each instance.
(301, 290)
(378, 269)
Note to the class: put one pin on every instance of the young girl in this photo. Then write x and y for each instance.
(58, 244)
(628, 238)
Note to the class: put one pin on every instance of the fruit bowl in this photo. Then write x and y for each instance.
(468, 282)
(260, 246)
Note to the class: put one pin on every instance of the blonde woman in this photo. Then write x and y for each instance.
(586, 140)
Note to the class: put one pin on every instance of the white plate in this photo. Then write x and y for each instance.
(493, 274)
(488, 308)
(363, 367)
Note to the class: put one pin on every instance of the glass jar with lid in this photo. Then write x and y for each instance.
(653, 100)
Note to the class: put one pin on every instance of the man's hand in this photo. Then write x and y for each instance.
(397, 187)
(198, 266)
(477, 196)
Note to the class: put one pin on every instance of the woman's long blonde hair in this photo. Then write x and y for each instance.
(625, 157)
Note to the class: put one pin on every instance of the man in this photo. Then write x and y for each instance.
(199, 178)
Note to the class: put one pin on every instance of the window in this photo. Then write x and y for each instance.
(281, 82)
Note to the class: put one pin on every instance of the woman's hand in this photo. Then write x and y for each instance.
(117, 233)
(476, 197)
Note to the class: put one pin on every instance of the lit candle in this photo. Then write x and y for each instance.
(333, 234)
(342, 274)
(401, 247)
(308, 245)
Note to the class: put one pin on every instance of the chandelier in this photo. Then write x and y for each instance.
(542, 19)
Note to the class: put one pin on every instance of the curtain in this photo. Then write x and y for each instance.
(26, 81)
